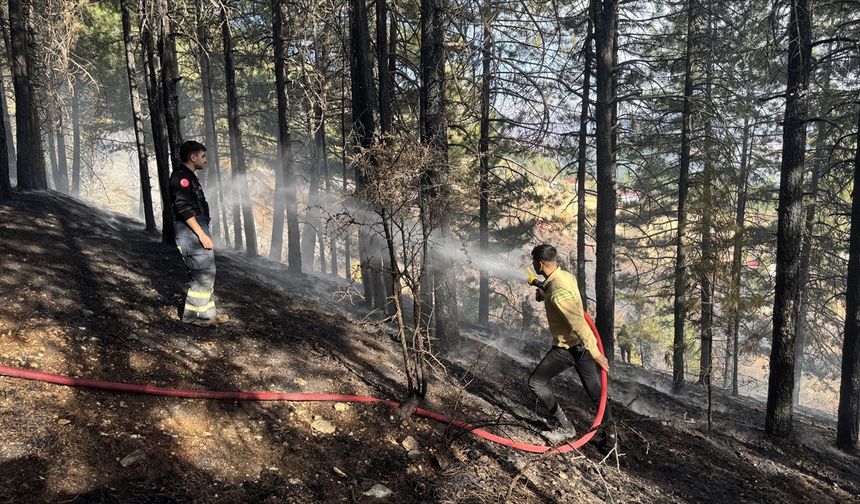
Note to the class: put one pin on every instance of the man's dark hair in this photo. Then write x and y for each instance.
(188, 148)
(545, 252)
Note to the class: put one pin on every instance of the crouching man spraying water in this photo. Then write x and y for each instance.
(573, 345)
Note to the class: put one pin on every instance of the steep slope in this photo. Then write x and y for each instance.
(85, 293)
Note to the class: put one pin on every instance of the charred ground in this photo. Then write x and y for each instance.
(85, 293)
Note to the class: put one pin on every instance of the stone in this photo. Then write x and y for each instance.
(133, 458)
(410, 443)
(379, 491)
(323, 426)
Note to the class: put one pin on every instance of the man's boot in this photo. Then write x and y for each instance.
(561, 419)
(606, 439)
(564, 431)
(220, 318)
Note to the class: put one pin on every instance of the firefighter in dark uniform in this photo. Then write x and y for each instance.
(191, 222)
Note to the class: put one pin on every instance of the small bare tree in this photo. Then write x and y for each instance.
(394, 166)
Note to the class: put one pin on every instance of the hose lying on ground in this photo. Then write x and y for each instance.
(305, 396)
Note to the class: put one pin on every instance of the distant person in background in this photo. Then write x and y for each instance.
(191, 222)
(573, 345)
(625, 345)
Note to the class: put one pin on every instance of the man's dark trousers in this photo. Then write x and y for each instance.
(558, 360)
(200, 263)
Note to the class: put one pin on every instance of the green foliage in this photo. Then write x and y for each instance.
(99, 68)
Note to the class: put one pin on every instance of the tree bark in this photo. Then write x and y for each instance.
(484, 159)
(7, 127)
(332, 241)
(7, 122)
(169, 81)
(62, 162)
(52, 158)
(737, 261)
(309, 233)
(581, 163)
(778, 421)
(385, 87)
(62, 159)
(848, 421)
(142, 156)
(76, 142)
(605, 15)
(706, 269)
(347, 259)
(156, 115)
(237, 149)
(386, 116)
(434, 134)
(806, 248)
(321, 149)
(5, 180)
(680, 305)
(31, 161)
(210, 137)
(363, 126)
(285, 152)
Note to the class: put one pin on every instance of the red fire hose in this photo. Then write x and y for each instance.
(302, 396)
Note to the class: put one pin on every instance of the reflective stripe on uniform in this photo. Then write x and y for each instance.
(198, 309)
(561, 295)
(199, 294)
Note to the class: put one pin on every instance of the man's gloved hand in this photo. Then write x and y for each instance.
(539, 295)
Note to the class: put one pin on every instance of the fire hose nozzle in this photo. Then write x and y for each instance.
(533, 280)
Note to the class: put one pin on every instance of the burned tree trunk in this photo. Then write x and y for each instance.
(285, 153)
(76, 142)
(156, 117)
(31, 161)
(169, 80)
(706, 270)
(581, 162)
(734, 304)
(848, 421)
(7, 126)
(309, 233)
(62, 162)
(5, 180)
(778, 421)
(434, 134)
(347, 259)
(210, 136)
(52, 158)
(680, 304)
(237, 149)
(484, 159)
(818, 163)
(7, 122)
(384, 63)
(605, 15)
(279, 37)
(363, 125)
(145, 188)
(62, 159)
